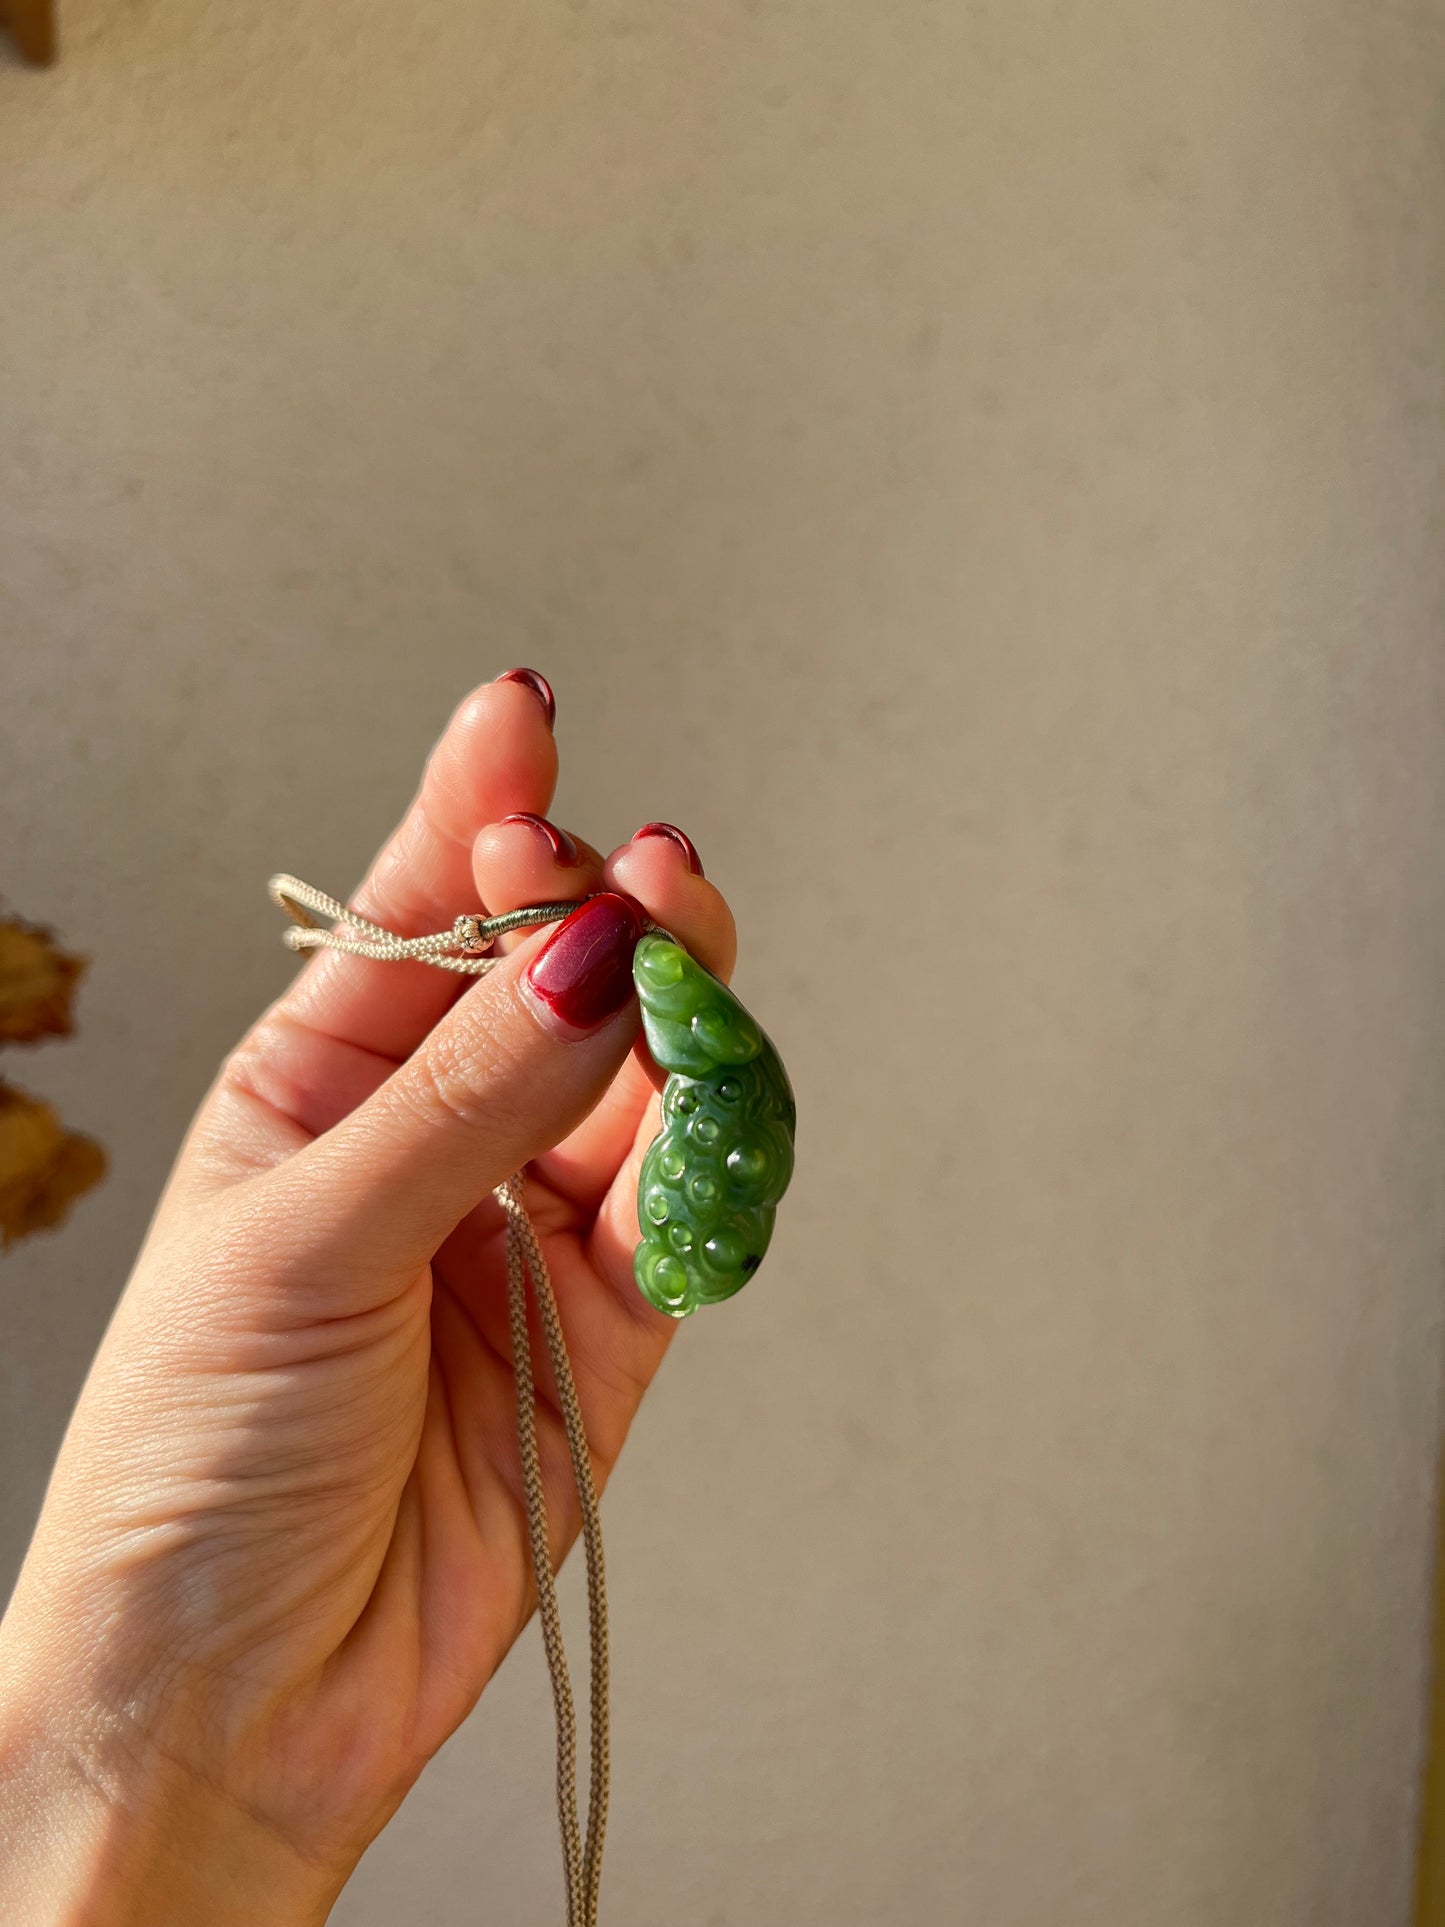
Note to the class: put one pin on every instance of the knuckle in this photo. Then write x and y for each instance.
(439, 1090)
(247, 1064)
(468, 1074)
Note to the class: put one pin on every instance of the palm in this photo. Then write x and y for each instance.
(450, 1584)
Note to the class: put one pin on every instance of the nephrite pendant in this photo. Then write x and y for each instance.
(712, 1178)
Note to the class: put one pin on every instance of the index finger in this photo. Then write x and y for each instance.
(496, 757)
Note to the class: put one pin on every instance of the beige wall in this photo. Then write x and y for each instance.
(979, 469)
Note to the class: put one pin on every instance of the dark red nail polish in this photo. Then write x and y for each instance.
(683, 842)
(563, 848)
(583, 973)
(539, 686)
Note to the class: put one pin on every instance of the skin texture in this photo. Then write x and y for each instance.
(284, 1548)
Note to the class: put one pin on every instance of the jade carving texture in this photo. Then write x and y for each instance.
(712, 1178)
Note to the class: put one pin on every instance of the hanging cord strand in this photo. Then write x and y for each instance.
(524, 1256)
(523, 1233)
(459, 949)
(509, 1196)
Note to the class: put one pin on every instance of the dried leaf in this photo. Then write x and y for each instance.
(37, 983)
(43, 1167)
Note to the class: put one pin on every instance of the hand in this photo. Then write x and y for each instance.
(284, 1547)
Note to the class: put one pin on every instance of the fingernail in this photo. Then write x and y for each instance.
(683, 842)
(564, 850)
(583, 973)
(534, 680)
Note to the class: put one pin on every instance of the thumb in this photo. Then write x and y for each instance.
(515, 1065)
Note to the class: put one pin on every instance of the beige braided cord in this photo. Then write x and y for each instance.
(524, 1254)
(458, 949)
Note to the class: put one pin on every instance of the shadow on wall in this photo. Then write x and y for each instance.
(43, 1167)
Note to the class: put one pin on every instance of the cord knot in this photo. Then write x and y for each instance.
(470, 935)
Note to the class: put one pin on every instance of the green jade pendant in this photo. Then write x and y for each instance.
(711, 1179)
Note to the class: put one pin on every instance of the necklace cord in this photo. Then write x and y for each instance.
(459, 949)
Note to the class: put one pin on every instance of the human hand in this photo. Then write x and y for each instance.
(285, 1547)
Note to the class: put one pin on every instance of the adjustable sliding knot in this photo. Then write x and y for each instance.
(469, 932)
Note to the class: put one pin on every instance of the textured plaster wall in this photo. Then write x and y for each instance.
(978, 467)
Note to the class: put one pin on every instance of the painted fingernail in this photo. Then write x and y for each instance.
(683, 842)
(564, 850)
(534, 680)
(583, 973)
